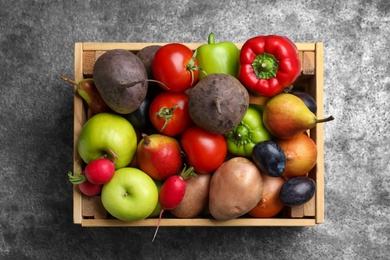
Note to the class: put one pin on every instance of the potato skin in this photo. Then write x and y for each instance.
(235, 188)
(196, 197)
(217, 103)
(115, 74)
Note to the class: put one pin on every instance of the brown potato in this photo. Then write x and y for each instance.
(196, 197)
(235, 188)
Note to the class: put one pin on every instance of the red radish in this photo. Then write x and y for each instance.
(90, 189)
(171, 194)
(99, 171)
(85, 186)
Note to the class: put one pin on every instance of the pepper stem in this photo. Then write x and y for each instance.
(265, 66)
(211, 39)
(241, 134)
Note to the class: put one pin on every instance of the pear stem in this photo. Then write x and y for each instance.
(146, 139)
(69, 80)
(330, 118)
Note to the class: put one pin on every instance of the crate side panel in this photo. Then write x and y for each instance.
(319, 81)
(79, 118)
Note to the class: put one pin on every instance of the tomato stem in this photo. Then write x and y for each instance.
(165, 113)
(191, 67)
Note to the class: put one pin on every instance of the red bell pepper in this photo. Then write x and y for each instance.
(268, 64)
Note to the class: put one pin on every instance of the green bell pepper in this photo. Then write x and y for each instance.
(250, 131)
(220, 57)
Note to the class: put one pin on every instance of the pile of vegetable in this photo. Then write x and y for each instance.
(195, 134)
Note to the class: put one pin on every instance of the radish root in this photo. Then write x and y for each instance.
(158, 225)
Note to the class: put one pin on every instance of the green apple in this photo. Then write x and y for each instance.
(130, 195)
(105, 134)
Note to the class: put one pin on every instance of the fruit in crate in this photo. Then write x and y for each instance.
(204, 151)
(130, 195)
(219, 57)
(171, 194)
(218, 103)
(168, 113)
(100, 171)
(307, 99)
(270, 204)
(297, 191)
(247, 133)
(146, 55)
(97, 172)
(301, 155)
(286, 115)
(195, 198)
(105, 134)
(235, 188)
(159, 156)
(90, 189)
(269, 157)
(87, 90)
(175, 67)
(84, 185)
(139, 118)
(121, 78)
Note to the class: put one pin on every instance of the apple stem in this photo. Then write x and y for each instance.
(330, 118)
(158, 224)
(114, 156)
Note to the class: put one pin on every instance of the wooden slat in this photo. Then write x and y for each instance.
(320, 181)
(92, 51)
(206, 222)
(93, 208)
(88, 62)
(308, 63)
(79, 118)
(309, 208)
(135, 46)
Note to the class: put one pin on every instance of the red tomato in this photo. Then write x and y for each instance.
(205, 151)
(168, 113)
(176, 66)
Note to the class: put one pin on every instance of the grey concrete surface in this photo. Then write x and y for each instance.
(36, 129)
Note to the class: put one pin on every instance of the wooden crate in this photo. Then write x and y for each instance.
(89, 212)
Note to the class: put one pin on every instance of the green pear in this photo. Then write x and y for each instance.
(286, 115)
